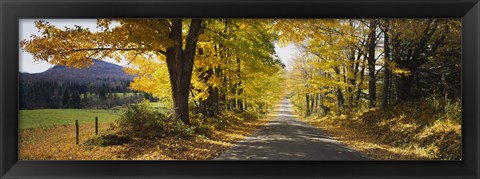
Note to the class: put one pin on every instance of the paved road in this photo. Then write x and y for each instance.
(287, 138)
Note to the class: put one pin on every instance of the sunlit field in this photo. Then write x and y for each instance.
(47, 118)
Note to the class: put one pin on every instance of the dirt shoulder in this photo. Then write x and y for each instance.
(58, 143)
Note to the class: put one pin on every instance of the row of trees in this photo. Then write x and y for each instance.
(57, 95)
(218, 64)
(349, 63)
(213, 64)
(234, 69)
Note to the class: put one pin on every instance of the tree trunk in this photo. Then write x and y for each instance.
(371, 64)
(404, 88)
(307, 102)
(386, 77)
(352, 81)
(324, 108)
(312, 104)
(180, 65)
(240, 105)
(340, 99)
(239, 85)
(215, 91)
(353, 68)
(360, 84)
(386, 87)
(208, 107)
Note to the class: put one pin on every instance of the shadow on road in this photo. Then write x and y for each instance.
(286, 138)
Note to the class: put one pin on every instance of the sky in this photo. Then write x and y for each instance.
(27, 28)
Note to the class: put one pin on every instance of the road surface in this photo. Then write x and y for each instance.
(288, 138)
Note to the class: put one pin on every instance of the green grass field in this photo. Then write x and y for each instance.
(48, 117)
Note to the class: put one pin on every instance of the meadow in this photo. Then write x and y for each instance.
(57, 142)
(46, 118)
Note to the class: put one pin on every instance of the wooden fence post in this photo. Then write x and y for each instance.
(76, 132)
(96, 125)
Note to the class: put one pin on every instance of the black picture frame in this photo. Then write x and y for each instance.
(12, 10)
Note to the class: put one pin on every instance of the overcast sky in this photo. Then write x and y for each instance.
(27, 28)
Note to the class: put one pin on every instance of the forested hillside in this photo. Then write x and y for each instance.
(102, 85)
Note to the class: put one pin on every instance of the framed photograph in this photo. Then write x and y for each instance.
(239, 89)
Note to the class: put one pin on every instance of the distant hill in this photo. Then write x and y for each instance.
(98, 73)
(97, 87)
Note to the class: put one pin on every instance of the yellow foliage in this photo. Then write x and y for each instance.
(397, 70)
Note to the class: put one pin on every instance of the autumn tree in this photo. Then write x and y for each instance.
(233, 66)
(174, 40)
(372, 43)
(334, 51)
(235, 53)
(230, 64)
(416, 42)
(387, 71)
(339, 65)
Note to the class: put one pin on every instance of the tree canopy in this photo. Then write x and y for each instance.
(230, 64)
(220, 63)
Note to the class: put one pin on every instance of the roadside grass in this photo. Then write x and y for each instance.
(408, 131)
(47, 118)
(58, 143)
(158, 105)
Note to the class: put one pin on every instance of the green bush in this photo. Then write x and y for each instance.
(141, 120)
(453, 111)
(450, 109)
(203, 126)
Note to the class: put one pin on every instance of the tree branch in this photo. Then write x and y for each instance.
(106, 49)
